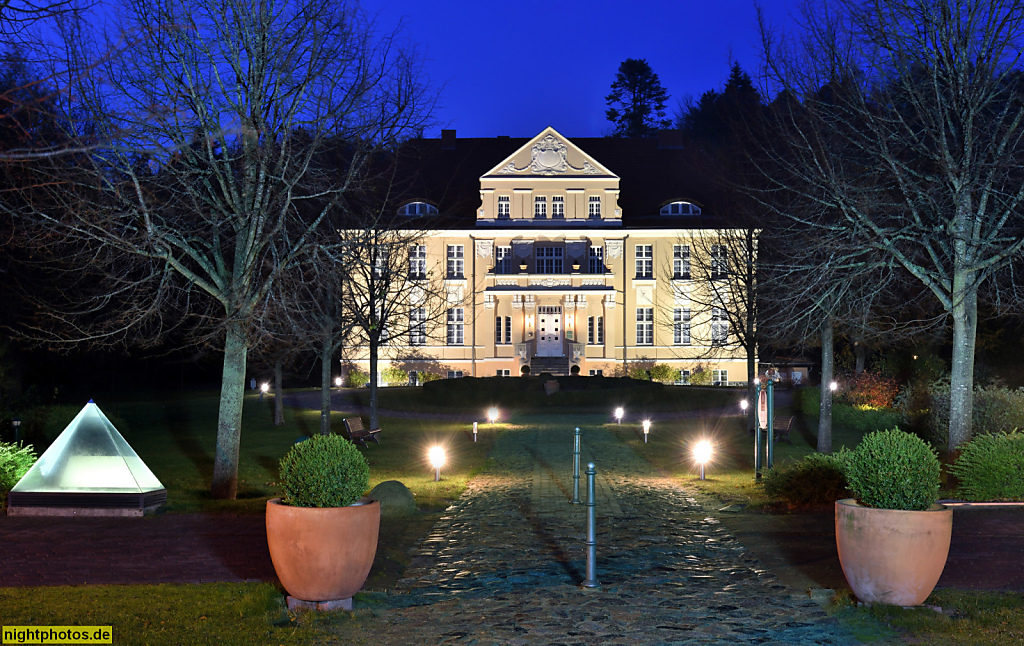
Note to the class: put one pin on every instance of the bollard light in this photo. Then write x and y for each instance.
(833, 386)
(437, 460)
(337, 382)
(492, 415)
(702, 455)
(647, 429)
(474, 431)
(744, 405)
(619, 412)
(16, 425)
(264, 387)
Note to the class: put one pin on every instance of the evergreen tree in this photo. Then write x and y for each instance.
(636, 104)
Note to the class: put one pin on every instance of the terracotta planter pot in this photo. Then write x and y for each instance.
(322, 554)
(890, 556)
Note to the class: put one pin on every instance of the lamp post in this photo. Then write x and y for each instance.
(16, 425)
(619, 412)
(437, 460)
(647, 429)
(337, 382)
(264, 389)
(474, 431)
(833, 386)
(702, 455)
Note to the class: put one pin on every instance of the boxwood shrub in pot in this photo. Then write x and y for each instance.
(892, 538)
(322, 537)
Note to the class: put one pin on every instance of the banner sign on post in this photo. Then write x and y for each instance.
(762, 409)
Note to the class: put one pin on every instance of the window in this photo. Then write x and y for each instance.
(380, 254)
(684, 377)
(549, 260)
(645, 326)
(597, 373)
(595, 330)
(558, 207)
(719, 326)
(594, 207)
(644, 261)
(720, 377)
(504, 372)
(719, 262)
(503, 260)
(504, 207)
(681, 326)
(540, 207)
(680, 208)
(456, 261)
(681, 262)
(456, 323)
(417, 326)
(414, 378)
(413, 209)
(418, 262)
(503, 329)
(455, 374)
(595, 260)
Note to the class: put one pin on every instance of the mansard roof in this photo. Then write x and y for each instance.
(653, 172)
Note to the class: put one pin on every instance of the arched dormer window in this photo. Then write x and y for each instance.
(417, 209)
(680, 208)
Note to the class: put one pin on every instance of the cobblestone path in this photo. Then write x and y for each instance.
(504, 563)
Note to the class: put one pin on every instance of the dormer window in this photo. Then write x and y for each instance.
(680, 208)
(417, 209)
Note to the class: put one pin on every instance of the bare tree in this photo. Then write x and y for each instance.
(923, 99)
(215, 116)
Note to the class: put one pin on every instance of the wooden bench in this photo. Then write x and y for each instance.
(357, 434)
(781, 428)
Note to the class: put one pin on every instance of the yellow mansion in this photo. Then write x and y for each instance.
(552, 259)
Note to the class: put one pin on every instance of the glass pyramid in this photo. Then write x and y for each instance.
(89, 464)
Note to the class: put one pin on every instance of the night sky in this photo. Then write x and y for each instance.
(512, 68)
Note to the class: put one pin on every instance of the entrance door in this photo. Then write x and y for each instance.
(549, 331)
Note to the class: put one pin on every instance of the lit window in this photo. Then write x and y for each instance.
(558, 207)
(418, 262)
(594, 204)
(596, 260)
(680, 208)
(549, 260)
(681, 326)
(540, 207)
(414, 209)
(456, 323)
(456, 261)
(504, 207)
(681, 262)
(645, 326)
(644, 261)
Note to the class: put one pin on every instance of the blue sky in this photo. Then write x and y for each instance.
(512, 68)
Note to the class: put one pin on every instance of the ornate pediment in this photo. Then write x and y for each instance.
(548, 154)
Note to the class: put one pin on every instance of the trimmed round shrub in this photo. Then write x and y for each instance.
(357, 378)
(991, 468)
(324, 471)
(817, 479)
(575, 370)
(894, 470)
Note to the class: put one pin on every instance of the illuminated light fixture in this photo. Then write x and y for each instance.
(702, 455)
(492, 415)
(474, 431)
(437, 460)
(757, 381)
(744, 405)
(264, 387)
(337, 382)
(529, 320)
(619, 412)
(833, 386)
(647, 429)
